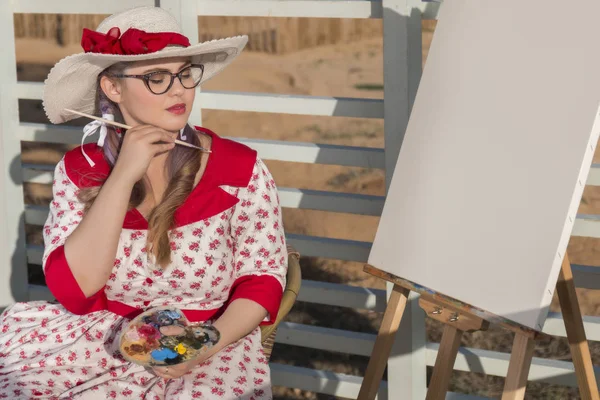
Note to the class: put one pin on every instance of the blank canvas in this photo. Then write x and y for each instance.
(496, 154)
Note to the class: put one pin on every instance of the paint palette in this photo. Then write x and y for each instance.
(164, 336)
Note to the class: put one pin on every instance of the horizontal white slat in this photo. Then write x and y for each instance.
(594, 175)
(555, 325)
(33, 132)
(496, 363)
(333, 294)
(326, 293)
(304, 8)
(310, 246)
(38, 292)
(352, 204)
(318, 337)
(350, 156)
(292, 8)
(336, 294)
(593, 217)
(36, 215)
(372, 301)
(428, 9)
(338, 249)
(328, 201)
(35, 254)
(267, 149)
(292, 104)
(30, 90)
(587, 226)
(586, 276)
(319, 381)
(289, 197)
(334, 384)
(76, 6)
(38, 173)
(460, 396)
(262, 102)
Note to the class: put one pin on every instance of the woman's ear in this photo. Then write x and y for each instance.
(111, 89)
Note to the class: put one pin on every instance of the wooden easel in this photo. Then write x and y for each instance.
(459, 318)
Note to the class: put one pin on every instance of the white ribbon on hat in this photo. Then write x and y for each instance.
(90, 129)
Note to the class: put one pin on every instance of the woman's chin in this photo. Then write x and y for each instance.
(174, 123)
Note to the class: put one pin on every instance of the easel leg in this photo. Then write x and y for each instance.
(580, 351)
(383, 343)
(444, 363)
(518, 369)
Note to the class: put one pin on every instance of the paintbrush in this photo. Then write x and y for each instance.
(118, 124)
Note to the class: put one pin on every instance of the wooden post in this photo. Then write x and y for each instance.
(60, 36)
(518, 368)
(580, 350)
(13, 254)
(402, 67)
(186, 13)
(444, 363)
(383, 343)
(456, 323)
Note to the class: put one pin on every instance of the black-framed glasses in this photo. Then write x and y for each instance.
(160, 82)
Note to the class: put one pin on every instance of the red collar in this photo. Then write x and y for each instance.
(229, 164)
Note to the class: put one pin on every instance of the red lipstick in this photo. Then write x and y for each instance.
(177, 109)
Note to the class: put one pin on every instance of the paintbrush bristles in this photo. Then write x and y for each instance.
(118, 124)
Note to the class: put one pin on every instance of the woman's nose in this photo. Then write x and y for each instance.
(177, 89)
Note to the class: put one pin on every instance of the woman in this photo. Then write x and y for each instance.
(138, 221)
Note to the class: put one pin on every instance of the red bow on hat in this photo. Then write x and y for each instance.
(133, 41)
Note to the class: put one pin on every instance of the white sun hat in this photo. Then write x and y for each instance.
(138, 34)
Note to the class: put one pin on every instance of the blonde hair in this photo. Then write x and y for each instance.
(183, 164)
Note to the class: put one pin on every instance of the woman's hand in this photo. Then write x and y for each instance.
(140, 145)
(174, 371)
(179, 370)
(240, 318)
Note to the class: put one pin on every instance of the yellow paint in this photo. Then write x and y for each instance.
(180, 348)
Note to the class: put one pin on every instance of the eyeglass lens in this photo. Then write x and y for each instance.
(190, 77)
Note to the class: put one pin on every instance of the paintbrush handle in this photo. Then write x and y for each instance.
(191, 145)
(108, 121)
(118, 124)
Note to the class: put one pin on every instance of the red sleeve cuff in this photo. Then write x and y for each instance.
(263, 289)
(66, 290)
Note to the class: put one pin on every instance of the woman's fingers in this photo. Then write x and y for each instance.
(155, 136)
(165, 372)
(140, 145)
(162, 147)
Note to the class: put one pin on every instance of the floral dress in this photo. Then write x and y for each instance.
(227, 243)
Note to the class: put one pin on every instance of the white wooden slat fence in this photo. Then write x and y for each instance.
(402, 67)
